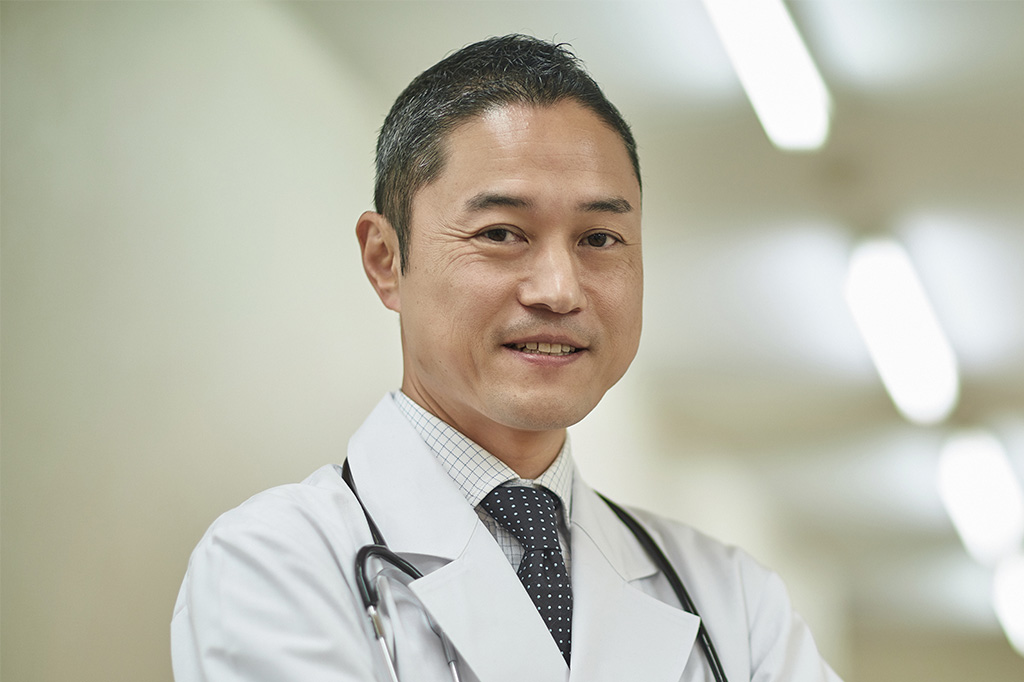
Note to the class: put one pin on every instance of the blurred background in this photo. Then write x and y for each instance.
(185, 320)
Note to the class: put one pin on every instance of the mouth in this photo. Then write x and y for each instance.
(538, 348)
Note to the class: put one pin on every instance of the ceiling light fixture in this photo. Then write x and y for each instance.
(982, 495)
(1008, 599)
(903, 336)
(776, 71)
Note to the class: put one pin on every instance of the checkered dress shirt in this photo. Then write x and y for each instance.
(477, 472)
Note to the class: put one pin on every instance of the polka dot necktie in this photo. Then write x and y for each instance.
(529, 514)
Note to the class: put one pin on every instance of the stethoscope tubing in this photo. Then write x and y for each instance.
(370, 596)
(367, 589)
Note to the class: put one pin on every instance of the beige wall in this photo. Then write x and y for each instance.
(896, 655)
(184, 318)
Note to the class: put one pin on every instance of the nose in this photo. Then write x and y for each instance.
(553, 282)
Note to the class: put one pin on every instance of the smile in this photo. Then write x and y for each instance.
(544, 348)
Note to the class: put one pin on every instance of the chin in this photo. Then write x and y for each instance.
(546, 413)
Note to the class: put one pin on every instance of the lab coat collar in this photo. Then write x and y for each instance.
(473, 593)
(414, 502)
(471, 590)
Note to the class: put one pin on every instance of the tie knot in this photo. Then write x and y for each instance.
(527, 513)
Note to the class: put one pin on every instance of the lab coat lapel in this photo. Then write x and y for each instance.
(480, 602)
(414, 502)
(470, 589)
(619, 632)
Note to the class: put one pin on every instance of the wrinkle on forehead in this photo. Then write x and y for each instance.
(506, 122)
(487, 199)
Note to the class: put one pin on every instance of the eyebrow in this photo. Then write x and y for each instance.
(612, 205)
(487, 200)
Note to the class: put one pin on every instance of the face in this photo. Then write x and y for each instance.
(521, 301)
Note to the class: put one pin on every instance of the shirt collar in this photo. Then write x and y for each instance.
(476, 471)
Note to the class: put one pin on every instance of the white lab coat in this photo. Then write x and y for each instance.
(270, 593)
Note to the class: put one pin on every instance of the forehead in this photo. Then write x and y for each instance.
(560, 149)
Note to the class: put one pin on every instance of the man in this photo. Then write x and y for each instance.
(507, 238)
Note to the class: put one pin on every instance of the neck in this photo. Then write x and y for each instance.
(529, 453)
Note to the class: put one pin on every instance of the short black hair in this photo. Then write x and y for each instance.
(512, 69)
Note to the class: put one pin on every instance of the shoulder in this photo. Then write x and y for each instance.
(280, 566)
(700, 553)
(285, 545)
(726, 580)
(320, 509)
(304, 529)
(744, 605)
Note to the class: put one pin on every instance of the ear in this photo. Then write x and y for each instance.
(381, 259)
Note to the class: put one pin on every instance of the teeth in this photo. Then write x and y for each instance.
(545, 348)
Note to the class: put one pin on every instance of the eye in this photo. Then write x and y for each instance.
(497, 234)
(600, 240)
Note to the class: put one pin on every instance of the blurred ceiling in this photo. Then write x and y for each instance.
(749, 349)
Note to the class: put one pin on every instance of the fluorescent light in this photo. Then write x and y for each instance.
(904, 339)
(776, 70)
(982, 495)
(1008, 599)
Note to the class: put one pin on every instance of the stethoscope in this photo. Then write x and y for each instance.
(371, 597)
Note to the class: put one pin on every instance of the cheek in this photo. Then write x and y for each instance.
(621, 298)
(461, 315)
(621, 305)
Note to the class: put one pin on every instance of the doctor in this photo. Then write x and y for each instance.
(507, 238)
